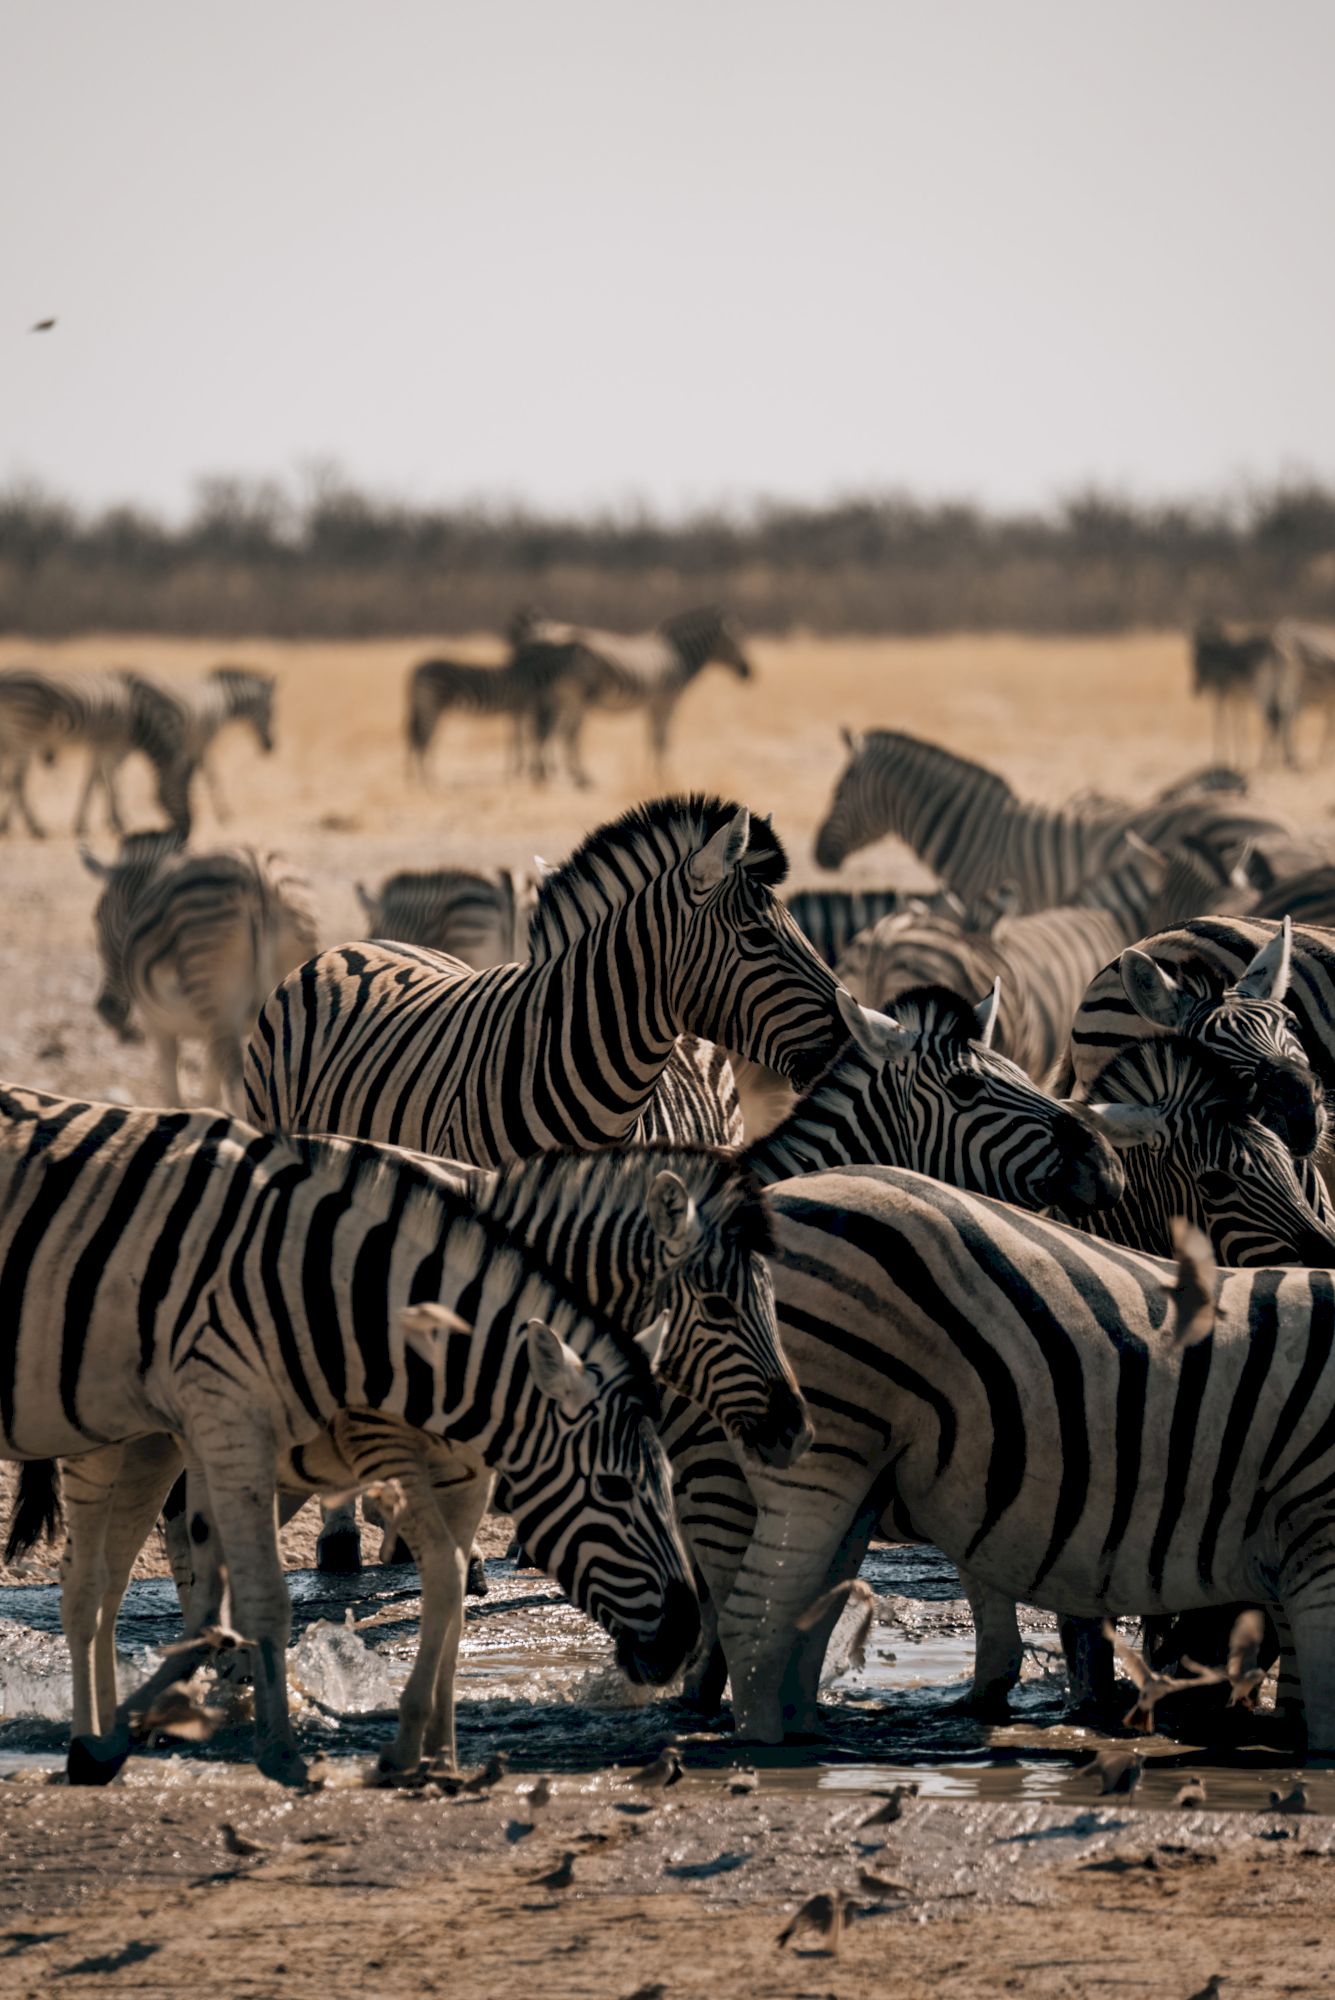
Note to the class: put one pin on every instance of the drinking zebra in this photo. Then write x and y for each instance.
(482, 919)
(580, 669)
(969, 828)
(112, 714)
(976, 1344)
(180, 1272)
(662, 923)
(193, 943)
(1260, 994)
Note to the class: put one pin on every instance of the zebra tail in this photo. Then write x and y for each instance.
(37, 1510)
(1062, 1080)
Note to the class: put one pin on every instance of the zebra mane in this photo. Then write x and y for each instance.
(943, 763)
(383, 1179)
(1147, 1070)
(686, 624)
(653, 837)
(936, 1011)
(608, 1177)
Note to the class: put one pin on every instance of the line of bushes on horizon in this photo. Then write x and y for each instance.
(251, 559)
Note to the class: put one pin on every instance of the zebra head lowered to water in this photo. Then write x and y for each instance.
(662, 923)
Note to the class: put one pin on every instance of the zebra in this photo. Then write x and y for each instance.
(201, 706)
(581, 669)
(832, 918)
(113, 714)
(967, 825)
(517, 688)
(1304, 676)
(180, 1272)
(193, 943)
(1261, 994)
(1044, 961)
(1232, 667)
(663, 922)
(482, 919)
(1018, 1393)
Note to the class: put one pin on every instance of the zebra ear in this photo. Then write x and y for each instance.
(853, 740)
(543, 868)
(985, 1013)
(426, 1326)
(92, 864)
(719, 856)
(1125, 1125)
(673, 1214)
(558, 1370)
(650, 1342)
(1267, 977)
(877, 1035)
(1155, 996)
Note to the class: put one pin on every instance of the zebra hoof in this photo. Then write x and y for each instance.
(476, 1585)
(400, 1553)
(339, 1553)
(96, 1760)
(283, 1763)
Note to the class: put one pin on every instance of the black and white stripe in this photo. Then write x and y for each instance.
(663, 923)
(482, 919)
(832, 918)
(183, 1273)
(193, 944)
(110, 714)
(967, 825)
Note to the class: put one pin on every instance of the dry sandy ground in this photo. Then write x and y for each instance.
(99, 1890)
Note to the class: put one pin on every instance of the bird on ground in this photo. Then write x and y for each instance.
(41, 326)
(1119, 1770)
(539, 1795)
(854, 1589)
(1151, 1688)
(1210, 1990)
(1291, 1802)
(237, 1843)
(655, 1990)
(881, 1885)
(893, 1809)
(664, 1771)
(559, 1877)
(742, 1783)
(176, 1712)
(1244, 1673)
(1192, 1794)
(825, 1913)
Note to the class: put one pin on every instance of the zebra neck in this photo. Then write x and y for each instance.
(606, 1260)
(830, 1127)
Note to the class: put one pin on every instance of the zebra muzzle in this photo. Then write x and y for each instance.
(651, 1661)
(779, 1436)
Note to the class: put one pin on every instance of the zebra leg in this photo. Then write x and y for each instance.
(215, 791)
(1090, 1668)
(660, 720)
(243, 1503)
(89, 1485)
(1288, 1692)
(19, 793)
(338, 1552)
(440, 1531)
(90, 778)
(169, 1079)
(997, 1651)
(223, 1074)
(149, 1468)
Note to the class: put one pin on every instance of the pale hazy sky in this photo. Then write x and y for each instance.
(684, 252)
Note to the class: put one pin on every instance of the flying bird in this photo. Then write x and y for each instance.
(1151, 1688)
(1244, 1673)
(176, 1712)
(854, 1588)
(1194, 1284)
(41, 326)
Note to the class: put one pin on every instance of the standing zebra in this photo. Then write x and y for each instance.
(1260, 994)
(181, 1273)
(112, 714)
(482, 919)
(675, 1236)
(832, 918)
(1233, 668)
(581, 669)
(194, 943)
(200, 707)
(662, 923)
(969, 828)
(520, 688)
(1307, 679)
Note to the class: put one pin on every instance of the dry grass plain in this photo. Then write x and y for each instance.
(1054, 716)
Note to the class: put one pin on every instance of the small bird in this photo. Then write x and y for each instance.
(742, 1783)
(41, 326)
(1194, 1284)
(664, 1771)
(1191, 1795)
(1244, 1673)
(559, 1877)
(1119, 1770)
(213, 1638)
(1291, 1802)
(893, 1808)
(237, 1843)
(654, 1990)
(825, 1913)
(491, 1774)
(1210, 1990)
(854, 1589)
(1151, 1687)
(176, 1712)
(881, 1885)
(539, 1795)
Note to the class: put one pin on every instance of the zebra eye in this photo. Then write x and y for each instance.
(612, 1488)
(966, 1086)
(716, 1305)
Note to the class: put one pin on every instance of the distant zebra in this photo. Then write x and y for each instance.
(194, 943)
(1020, 1394)
(583, 669)
(1044, 961)
(832, 918)
(1260, 994)
(203, 705)
(182, 1271)
(517, 687)
(1307, 654)
(967, 825)
(482, 919)
(662, 923)
(111, 714)
(1233, 667)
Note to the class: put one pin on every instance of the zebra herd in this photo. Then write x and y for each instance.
(1278, 669)
(476, 1201)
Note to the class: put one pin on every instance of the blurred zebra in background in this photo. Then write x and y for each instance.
(112, 715)
(482, 919)
(1234, 667)
(202, 706)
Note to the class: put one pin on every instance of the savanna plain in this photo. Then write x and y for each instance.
(396, 1893)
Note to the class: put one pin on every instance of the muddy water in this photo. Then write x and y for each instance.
(536, 1678)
